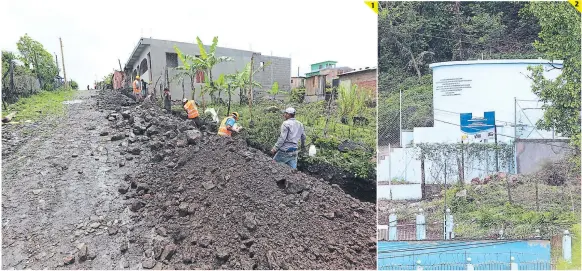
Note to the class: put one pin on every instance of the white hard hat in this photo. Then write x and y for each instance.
(290, 110)
(185, 100)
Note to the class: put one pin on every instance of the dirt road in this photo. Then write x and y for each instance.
(116, 186)
(59, 192)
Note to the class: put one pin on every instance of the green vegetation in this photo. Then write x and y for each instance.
(32, 60)
(297, 95)
(559, 39)
(74, 85)
(413, 35)
(265, 130)
(45, 103)
(328, 124)
(274, 90)
(40, 60)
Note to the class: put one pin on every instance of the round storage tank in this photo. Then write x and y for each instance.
(485, 85)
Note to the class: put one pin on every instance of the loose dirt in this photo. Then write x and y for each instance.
(164, 195)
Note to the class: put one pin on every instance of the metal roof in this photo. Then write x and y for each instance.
(356, 71)
(328, 61)
(141, 46)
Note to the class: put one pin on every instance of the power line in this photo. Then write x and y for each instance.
(453, 248)
(510, 122)
(529, 121)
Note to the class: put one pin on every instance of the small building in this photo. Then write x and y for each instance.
(322, 75)
(365, 78)
(154, 60)
(297, 82)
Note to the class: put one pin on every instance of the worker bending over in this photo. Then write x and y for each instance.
(228, 125)
(286, 149)
(167, 100)
(192, 110)
(137, 89)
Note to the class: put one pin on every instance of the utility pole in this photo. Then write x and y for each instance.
(515, 134)
(63, 59)
(400, 116)
(251, 90)
(496, 149)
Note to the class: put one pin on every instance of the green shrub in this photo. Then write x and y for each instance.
(297, 95)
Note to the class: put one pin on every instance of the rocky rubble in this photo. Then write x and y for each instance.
(203, 201)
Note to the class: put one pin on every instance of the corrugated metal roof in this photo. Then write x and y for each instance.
(360, 70)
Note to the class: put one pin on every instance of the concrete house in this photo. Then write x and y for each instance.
(322, 74)
(153, 58)
(297, 82)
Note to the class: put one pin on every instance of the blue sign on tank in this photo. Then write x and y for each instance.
(470, 125)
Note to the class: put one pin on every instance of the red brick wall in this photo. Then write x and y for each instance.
(364, 79)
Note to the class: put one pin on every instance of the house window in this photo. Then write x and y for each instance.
(171, 60)
(262, 64)
(291, 81)
(320, 67)
(143, 67)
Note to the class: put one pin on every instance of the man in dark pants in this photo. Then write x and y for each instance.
(167, 100)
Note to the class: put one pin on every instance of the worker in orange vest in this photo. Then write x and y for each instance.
(137, 88)
(192, 110)
(227, 126)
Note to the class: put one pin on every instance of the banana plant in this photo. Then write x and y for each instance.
(274, 90)
(207, 60)
(191, 65)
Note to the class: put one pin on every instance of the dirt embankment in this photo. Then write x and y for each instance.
(203, 201)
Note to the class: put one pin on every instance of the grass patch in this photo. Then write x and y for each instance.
(576, 253)
(45, 103)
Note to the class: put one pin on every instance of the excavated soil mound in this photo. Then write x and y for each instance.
(203, 201)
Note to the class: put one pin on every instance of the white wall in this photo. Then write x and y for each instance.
(490, 85)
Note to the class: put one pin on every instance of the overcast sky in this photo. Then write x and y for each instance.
(96, 33)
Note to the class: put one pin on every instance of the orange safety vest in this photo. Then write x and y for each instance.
(191, 108)
(222, 130)
(136, 90)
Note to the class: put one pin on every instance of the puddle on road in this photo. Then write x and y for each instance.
(73, 102)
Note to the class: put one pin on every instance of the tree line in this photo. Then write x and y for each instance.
(32, 59)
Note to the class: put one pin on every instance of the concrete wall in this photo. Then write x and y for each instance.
(297, 82)
(315, 88)
(364, 79)
(532, 154)
(279, 70)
